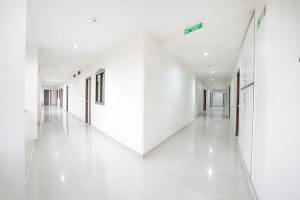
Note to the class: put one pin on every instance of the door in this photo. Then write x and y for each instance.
(88, 100)
(47, 97)
(229, 101)
(204, 100)
(67, 98)
(237, 104)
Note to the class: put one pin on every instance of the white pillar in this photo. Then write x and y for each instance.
(12, 65)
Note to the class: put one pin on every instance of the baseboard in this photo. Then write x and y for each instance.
(123, 146)
(147, 153)
(28, 165)
(75, 116)
(254, 194)
(133, 152)
(126, 148)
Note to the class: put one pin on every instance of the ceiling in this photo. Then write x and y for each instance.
(57, 25)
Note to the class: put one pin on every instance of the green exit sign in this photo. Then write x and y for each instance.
(193, 28)
(261, 17)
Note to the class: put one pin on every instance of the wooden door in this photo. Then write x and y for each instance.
(204, 100)
(237, 104)
(47, 97)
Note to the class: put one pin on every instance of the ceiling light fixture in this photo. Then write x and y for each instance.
(212, 71)
(61, 66)
(94, 19)
(213, 79)
(205, 54)
(74, 46)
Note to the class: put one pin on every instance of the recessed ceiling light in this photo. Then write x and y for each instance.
(74, 46)
(213, 79)
(212, 71)
(205, 54)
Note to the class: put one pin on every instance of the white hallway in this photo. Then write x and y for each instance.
(139, 71)
(73, 161)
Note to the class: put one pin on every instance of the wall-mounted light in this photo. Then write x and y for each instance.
(62, 178)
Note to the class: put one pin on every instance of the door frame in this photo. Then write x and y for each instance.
(204, 99)
(88, 101)
(238, 87)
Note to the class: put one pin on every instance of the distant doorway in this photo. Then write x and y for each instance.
(204, 100)
(61, 96)
(237, 104)
(88, 100)
(47, 97)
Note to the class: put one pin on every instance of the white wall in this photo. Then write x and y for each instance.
(199, 90)
(208, 103)
(246, 67)
(54, 96)
(149, 95)
(274, 168)
(64, 97)
(31, 98)
(261, 97)
(122, 115)
(276, 171)
(12, 66)
(217, 98)
(169, 95)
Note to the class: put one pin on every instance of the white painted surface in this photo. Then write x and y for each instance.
(122, 115)
(247, 67)
(233, 99)
(217, 98)
(199, 95)
(31, 98)
(260, 123)
(54, 98)
(170, 94)
(275, 173)
(246, 126)
(12, 75)
(77, 162)
(220, 36)
(279, 144)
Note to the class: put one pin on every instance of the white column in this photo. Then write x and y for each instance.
(12, 65)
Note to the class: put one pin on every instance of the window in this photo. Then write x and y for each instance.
(100, 86)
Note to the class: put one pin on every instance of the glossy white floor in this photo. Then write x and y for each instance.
(75, 162)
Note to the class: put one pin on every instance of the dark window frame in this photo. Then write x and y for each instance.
(100, 87)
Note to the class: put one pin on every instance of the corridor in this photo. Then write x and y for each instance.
(73, 161)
